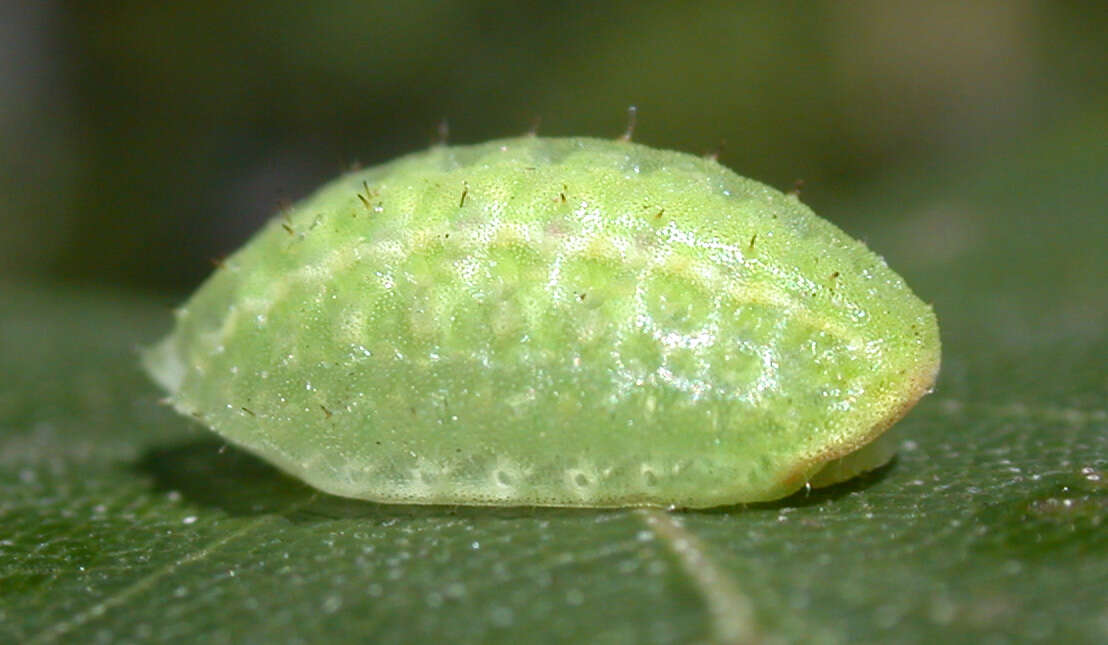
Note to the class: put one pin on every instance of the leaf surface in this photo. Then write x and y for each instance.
(120, 521)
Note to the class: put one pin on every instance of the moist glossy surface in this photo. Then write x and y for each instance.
(566, 322)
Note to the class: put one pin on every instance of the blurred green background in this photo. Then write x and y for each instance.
(138, 140)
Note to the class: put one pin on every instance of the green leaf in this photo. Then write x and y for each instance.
(120, 521)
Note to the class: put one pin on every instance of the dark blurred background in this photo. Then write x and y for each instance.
(139, 140)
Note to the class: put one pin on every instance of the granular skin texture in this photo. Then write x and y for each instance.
(558, 322)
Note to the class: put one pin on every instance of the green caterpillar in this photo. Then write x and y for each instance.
(554, 322)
